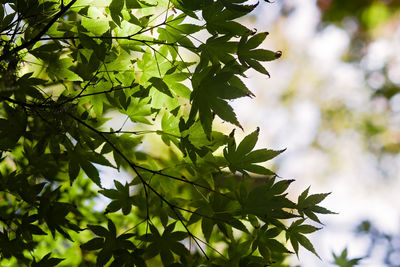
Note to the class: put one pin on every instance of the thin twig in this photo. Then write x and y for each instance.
(41, 33)
(143, 181)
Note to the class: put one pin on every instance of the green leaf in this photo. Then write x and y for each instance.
(262, 55)
(110, 193)
(114, 206)
(103, 257)
(243, 157)
(295, 244)
(295, 234)
(115, 10)
(181, 90)
(322, 210)
(90, 171)
(308, 205)
(98, 159)
(166, 257)
(303, 195)
(276, 246)
(131, 4)
(262, 155)
(306, 229)
(179, 249)
(272, 232)
(253, 220)
(95, 25)
(46, 261)
(258, 169)
(93, 244)
(307, 244)
(224, 111)
(7, 20)
(61, 68)
(250, 57)
(98, 230)
(314, 199)
(111, 227)
(160, 85)
(256, 40)
(343, 261)
(266, 253)
(257, 66)
(207, 226)
(13, 128)
(73, 170)
(36, 230)
(248, 143)
(281, 186)
(232, 221)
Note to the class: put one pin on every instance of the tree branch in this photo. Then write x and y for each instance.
(41, 33)
(145, 184)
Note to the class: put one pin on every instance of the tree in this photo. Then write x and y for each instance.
(170, 68)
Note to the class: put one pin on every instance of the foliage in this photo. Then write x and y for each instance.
(168, 67)
(343, 261)
(383, 247)
(363, 20)
(368, 13)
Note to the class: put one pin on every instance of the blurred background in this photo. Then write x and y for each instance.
(333, 100)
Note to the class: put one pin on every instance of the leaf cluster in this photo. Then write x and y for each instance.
(67, 68)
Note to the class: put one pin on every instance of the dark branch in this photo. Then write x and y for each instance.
(159, 42)
(41, 33)
(146, 184)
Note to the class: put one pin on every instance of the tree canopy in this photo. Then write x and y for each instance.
(163, 68)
